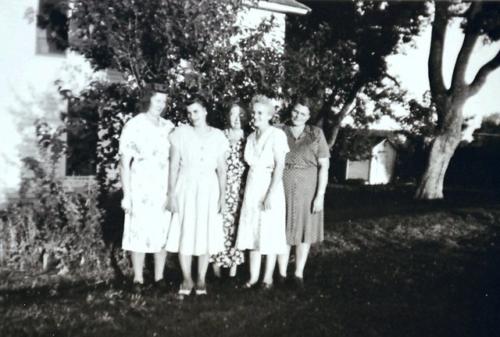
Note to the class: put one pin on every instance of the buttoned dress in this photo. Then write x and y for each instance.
(300, 179)
(259, 229)
(147, 224)
(196, 228)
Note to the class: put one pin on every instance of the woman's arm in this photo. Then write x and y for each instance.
(324, 164)
(276, 179)
(172, 178)
(125, 164)
(221, 175)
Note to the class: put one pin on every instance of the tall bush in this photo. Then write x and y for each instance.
(49, 227)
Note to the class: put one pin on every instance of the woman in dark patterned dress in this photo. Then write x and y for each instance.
(305, 179)
(235, 170)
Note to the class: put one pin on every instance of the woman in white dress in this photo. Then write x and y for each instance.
(262, 220)
(197, 179)
(144, 155)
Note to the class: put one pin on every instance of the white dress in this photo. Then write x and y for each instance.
(258, 229)
(197, 227)
(147, 225)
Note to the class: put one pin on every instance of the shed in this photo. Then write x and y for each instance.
(378, 167)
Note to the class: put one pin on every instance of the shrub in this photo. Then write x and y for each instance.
(49, 227)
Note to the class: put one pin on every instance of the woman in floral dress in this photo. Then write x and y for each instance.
(144, 153)
(262, 222)
(231, 257)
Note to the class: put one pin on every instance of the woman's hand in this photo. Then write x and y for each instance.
(318, 203)
(222, 204)
(127, 205)
(172, 204)
(267, 203)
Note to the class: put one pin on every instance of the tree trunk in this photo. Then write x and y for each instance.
(344, 111)
(442, 149)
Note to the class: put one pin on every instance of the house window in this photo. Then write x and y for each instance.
(52, 27)
(81, 131)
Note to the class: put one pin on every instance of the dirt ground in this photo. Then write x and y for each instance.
(388, 267)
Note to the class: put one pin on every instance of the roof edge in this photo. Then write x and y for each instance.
(291, 7)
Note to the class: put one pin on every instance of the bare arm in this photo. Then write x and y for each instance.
(221, 175)
(324, 164)
(125, 164)
(172, 179)
(276, 179)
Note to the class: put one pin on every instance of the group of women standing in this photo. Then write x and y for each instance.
(208, 193)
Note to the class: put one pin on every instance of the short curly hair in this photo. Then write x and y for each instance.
(145, 100)
(262, 99)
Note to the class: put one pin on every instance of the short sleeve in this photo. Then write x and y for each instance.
(175, 137)
(323, 149)
(128, 143)
(280, 145)
(169, 125)
(223, 144)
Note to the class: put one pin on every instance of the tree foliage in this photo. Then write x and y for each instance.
(337, 55)
(190, 46)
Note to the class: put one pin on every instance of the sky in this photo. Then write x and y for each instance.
(411, 69)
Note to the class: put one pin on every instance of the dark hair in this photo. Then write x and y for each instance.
(192, 99)
(244, 118)
(305, 101)
(146, 94)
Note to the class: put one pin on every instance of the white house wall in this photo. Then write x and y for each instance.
(27, 89)
(357, 169)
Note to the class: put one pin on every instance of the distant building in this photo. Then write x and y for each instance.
(378, 168)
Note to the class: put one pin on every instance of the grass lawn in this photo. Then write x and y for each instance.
(388, 267)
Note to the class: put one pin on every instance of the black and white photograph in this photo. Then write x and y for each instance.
(250, 168)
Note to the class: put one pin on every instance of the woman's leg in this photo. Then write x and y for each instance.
(302, 252)
(216, 269)
(270, 264)
(283, 261)
(138, 266)
(232, 270)
(202, 270)
(255, 260)
(160, 259)
(185, 262)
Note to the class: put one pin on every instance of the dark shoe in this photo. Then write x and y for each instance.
(280, 280)
(298, 282)
(160, 286)
(249, 285)
(138, 288)
(267, 286)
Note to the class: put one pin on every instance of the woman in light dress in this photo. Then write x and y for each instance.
(144, 153)
(231, 257)
(262, 221)
(305, 179)
(197, 182)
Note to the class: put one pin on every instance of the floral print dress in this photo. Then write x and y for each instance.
(235, 186)
(147, 225)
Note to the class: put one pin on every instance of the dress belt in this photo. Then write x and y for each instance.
(298, 167)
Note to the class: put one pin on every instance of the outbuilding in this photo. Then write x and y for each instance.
(378, 167)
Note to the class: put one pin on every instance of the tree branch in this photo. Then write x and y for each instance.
(435, 62)
(483, 73)
(470, 39)
(346, 108)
